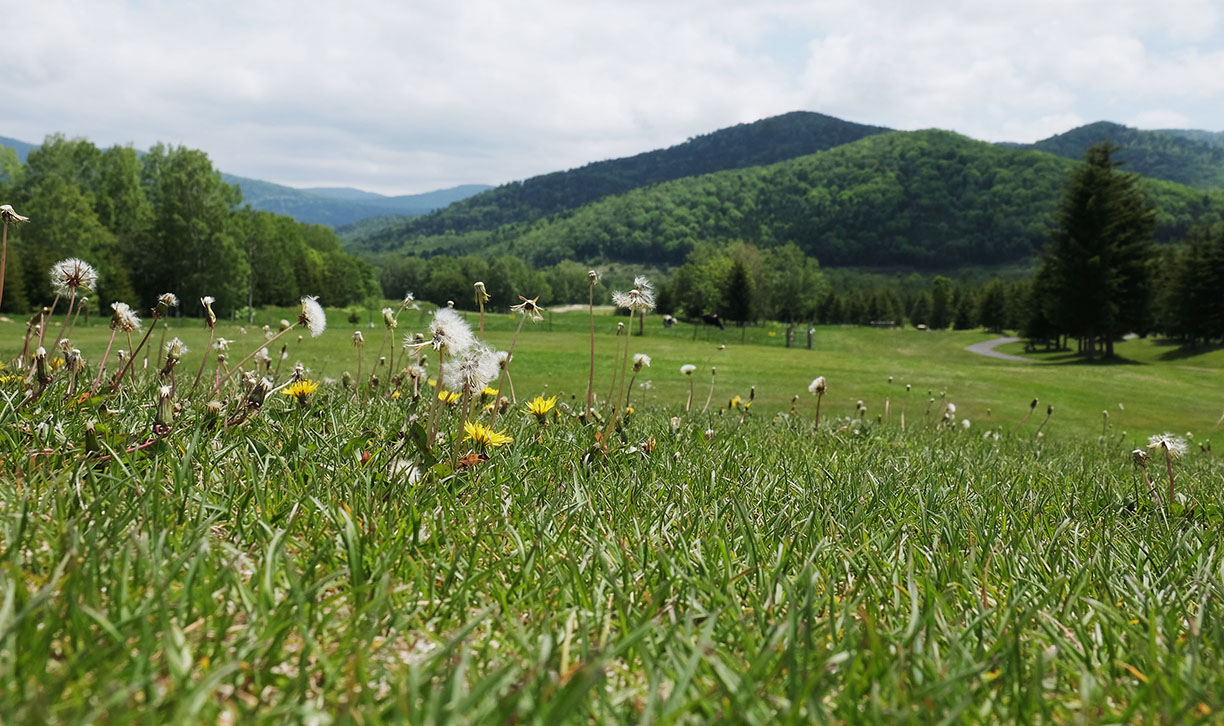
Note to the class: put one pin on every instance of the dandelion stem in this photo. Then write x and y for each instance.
(212, 331)
(710, 395)
(132, 358)
(590, 402)
(3, 261)
(42, 320)
(357, 380)
(689, 403)
(819, 396)
(102, 366)
(67, 317)
(437, 405)
(243, 362)
(1169, 466)
(612, 391)
(505, 372)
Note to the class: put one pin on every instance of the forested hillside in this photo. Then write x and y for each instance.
(746, 145)
(1193, 158)
(924, 199)
(161, 221)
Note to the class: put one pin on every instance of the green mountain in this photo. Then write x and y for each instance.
(745, 145)
(1211, 138)
(21, 147)
(1193, 158)
(922, 198)
(337, 207)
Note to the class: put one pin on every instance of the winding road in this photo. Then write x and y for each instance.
(987, 348)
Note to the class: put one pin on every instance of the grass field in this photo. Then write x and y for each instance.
(732, 566)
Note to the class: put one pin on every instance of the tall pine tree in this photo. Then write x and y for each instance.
(1097, 257)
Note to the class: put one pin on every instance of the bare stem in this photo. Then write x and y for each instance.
(102, 366)
(591, 376)
(505, 372)
(243, 362)
(212, 330)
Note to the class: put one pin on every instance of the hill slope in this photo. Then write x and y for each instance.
(762, 142)
(923, 198)
(339, 207)
(21, 147)
(1193, 158)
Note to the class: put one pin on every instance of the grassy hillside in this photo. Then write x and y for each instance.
(1193, 158)
(925, 198)
(762, 142)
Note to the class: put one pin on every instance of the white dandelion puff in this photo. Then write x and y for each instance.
(312, 316)
(71, 275)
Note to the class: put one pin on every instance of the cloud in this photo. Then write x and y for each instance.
(401, 97)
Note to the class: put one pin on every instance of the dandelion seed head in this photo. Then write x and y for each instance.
(530, 308)
(70, 275)
(312, 316)
(817, 386)
(168, 299)
(475, 367)
(122, 318)
(358, 338)
(593, 277)
(688, 369)
(1174, 444)
(175, 349)
(449, 333)
(9, 216)
(164, 391)
(640, 361)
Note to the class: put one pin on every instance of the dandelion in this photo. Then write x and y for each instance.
(164, 419)
(1049, 413)
(540, 407)
(358, 342)
(175, 350)
(210, 319)
(482, 297)
(8, 216)
(688, 369)
(639, 299)
(1032, 407)
(965, 424)
(640, 361)
(164, 302)
(484, 435)
(817, 388)
(312, 316)
(592, 280)
(68, 278)
(301, 391)
(1173, 446)
(528, 308)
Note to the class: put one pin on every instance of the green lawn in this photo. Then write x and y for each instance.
(305, 566)
(1154, 388)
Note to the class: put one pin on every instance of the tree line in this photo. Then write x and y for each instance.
(162, 221)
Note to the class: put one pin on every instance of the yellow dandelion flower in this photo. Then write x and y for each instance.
(395, 395)
(433, 383)
(448, 396)
(735, 402)
(540, 406)
(301, 390)
(486, 392)
(484, 435)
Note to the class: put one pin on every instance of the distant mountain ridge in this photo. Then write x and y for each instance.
(334, 207)
(767, 141)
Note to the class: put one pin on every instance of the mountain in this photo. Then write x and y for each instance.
(21, 147)
(335, 207)
(1212, 138)
(1193, 158)
(745, 145)
(930, 199)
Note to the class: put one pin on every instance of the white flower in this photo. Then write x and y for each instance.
(221, 345)
(123, 318)
(358, 338)
(72, 274)
(389, 321)
(449, 333)
(175, 349)
(474, 369)
(9, 216)
(1174, 444)
(965, 423)
(688, 369)
(529, 308)
(312, 316)
(817, 386)
(168, 299)
(640, 361)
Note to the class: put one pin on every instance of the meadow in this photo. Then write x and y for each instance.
(741, 564)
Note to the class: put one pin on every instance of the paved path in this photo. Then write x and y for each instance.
(987, 348)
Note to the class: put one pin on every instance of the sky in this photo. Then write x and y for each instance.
(407, 96)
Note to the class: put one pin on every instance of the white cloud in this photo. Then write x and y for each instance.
(401, 97)
(1159, 118)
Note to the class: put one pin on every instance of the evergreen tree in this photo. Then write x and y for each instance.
(1097, 256)
(941, 303)
(740, 293)
(992, 306)
(920, 311)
